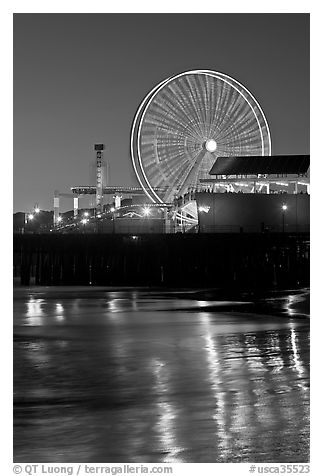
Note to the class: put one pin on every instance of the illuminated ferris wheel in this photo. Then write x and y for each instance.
(186, 122)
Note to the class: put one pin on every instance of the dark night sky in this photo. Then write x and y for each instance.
(79, 78)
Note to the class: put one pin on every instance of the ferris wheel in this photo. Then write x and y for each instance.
(185, 122)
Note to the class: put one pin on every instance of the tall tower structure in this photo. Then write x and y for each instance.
(56, 207)
(99, 177)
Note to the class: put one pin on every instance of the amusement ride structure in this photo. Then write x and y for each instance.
(185, 123)
(180, 130)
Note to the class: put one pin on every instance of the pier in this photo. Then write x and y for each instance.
(184, 260)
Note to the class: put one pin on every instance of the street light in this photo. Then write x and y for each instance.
(37, 210)
(84, 221)
(30, 216)
(86, 214)
(112, 210)
(146, 211)
(284, 208)
(59, 219)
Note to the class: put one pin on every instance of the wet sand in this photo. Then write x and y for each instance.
(138, 375)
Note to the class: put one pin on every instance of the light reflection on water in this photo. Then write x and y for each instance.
(59, 312)
(125, 381)
(34, 311)
(166, 414)
(216, 382)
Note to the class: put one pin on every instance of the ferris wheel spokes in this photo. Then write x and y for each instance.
(186, 122)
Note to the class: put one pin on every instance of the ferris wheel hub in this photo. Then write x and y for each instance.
(211, 145)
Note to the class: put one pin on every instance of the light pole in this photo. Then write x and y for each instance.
(146, 214)
(29, 217)
(284, 208)
(202, 209)
(112, 210)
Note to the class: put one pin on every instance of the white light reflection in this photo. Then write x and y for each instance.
(34, 312)
(203, 303)
(296, 359)
(114, 305)
(258, 373)
(120, 305)
(117, 309)
(215, 379)
(292, 300)
(255, 363)
(274, 356)
(166, 423)
(279, 381)
(59, 312)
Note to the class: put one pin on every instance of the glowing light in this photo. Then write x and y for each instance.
(99, 216)
(167, 413)
(146, 211)
(37, 210)
(284, 207)
(34, 311)
(296, 356)
(204, 208)
(86, 214)
(241, 184)
(59, 312)
(84, 221)
(59, 219)
(30, 217)
(211, 145)
(112, 209)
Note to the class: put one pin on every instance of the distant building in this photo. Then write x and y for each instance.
(256, 194)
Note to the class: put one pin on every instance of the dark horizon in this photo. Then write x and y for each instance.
(79, 78)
